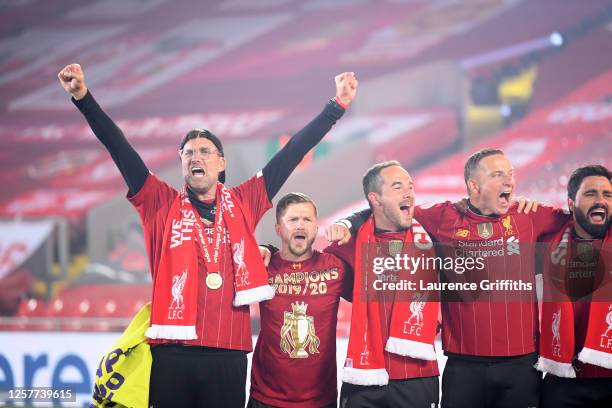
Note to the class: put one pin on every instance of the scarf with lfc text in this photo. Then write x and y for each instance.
(413, 323)
(175, 290)
(569, 267)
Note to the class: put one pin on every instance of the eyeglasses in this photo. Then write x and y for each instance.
(203, 152)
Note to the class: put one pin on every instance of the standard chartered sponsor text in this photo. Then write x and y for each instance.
(481, 249)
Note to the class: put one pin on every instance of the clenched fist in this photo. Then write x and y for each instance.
(73, 81)
(346, 87)
(338, 233)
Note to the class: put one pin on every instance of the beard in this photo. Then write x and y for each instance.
(299, 252)
(597, 231)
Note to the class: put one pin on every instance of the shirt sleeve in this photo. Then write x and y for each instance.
(345, 252)
(347, 282)
(549, 220)
(356, 220)
(278, 169)
(429, 216)
(132, 168)
(254, 198)
(154, 196)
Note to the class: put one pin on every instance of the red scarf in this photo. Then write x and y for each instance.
(413, 323)
(557, 340)
(175, 290)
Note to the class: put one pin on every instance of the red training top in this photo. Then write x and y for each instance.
(294, 363)
(491, 325)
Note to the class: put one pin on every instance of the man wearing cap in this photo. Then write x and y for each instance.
(203, 256)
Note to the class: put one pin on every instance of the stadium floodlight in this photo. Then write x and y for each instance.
(505, 110)
(556, 39)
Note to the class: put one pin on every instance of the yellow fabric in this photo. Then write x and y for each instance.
(518, 89)
(122, 377)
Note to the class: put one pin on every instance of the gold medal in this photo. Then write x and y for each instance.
(214, 280)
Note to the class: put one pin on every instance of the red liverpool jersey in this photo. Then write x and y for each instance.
(219, 324)
(398, 367)
(487, 326)
(294, 363)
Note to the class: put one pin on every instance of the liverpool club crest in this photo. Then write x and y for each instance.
(175, 311)
(178, 284)
(298, 332)
(414, 324)
(507, 223)
(609, 322)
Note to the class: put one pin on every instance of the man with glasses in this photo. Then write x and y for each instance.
(202, 253)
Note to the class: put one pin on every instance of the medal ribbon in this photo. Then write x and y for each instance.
(212, 264)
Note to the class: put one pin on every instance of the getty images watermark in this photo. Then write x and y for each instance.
(404, 272)
(502, 270)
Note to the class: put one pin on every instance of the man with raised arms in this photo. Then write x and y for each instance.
(203, 256)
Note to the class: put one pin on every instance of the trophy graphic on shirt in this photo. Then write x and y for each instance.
(298, 332)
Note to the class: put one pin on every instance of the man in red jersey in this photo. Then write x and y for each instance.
(576, 340)
(294, 362)
(490, 342)
(202, 253)
(379, 370)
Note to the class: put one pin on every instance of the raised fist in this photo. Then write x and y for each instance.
(73, 80)
(338, 233)
(346, 87)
